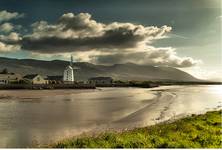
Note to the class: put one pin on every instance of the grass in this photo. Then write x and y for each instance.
(196, 131)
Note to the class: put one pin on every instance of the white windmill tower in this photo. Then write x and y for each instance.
(68, 76)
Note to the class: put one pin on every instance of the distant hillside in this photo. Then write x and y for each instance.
(86, 70)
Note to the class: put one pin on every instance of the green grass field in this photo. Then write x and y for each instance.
(196, 131)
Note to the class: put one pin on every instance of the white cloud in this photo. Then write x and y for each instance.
(153, 56)
(6, 27)
(10, 42)
(5, 15)
(8, 39)
(8, 47)
(12, 37)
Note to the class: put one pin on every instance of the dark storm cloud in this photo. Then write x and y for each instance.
(81, 33)
(118, 38)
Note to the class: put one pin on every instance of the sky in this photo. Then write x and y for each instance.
(185, 34)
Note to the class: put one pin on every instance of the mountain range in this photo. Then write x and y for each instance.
(86, 70)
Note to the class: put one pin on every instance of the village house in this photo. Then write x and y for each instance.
(6, 78)
(101, 80)
(54, 79)
(34, 79)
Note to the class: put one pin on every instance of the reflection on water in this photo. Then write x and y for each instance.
(29, 117)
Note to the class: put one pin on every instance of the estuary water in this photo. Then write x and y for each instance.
(32, 117)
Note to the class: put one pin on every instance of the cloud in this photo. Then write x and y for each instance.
(6, 27)
(96, 42)
(9, 27)
(151, 56)
(12, 38)
(8, 47)
(10, 42)
(85, 56)
(5, 15)
(80, 22)
(82, 33)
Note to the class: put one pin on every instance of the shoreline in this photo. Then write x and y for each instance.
(46, 86)
(93, 86)
(85, 140)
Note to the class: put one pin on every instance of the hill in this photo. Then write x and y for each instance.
(86, 70)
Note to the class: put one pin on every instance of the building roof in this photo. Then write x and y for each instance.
(101, 78)
(30, 76)
(58, 78)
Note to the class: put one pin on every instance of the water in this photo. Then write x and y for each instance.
(31, 117)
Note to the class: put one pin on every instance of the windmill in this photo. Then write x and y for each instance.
(69, 73)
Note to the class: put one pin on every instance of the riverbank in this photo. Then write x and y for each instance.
(46, 86)
(81, 85)
(196, 131)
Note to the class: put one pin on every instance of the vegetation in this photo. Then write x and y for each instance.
(196, 131)
(154, 83)
(142, 84)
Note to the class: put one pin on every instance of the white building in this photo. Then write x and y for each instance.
(34, 79)
(68, 75)
(7, 78)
